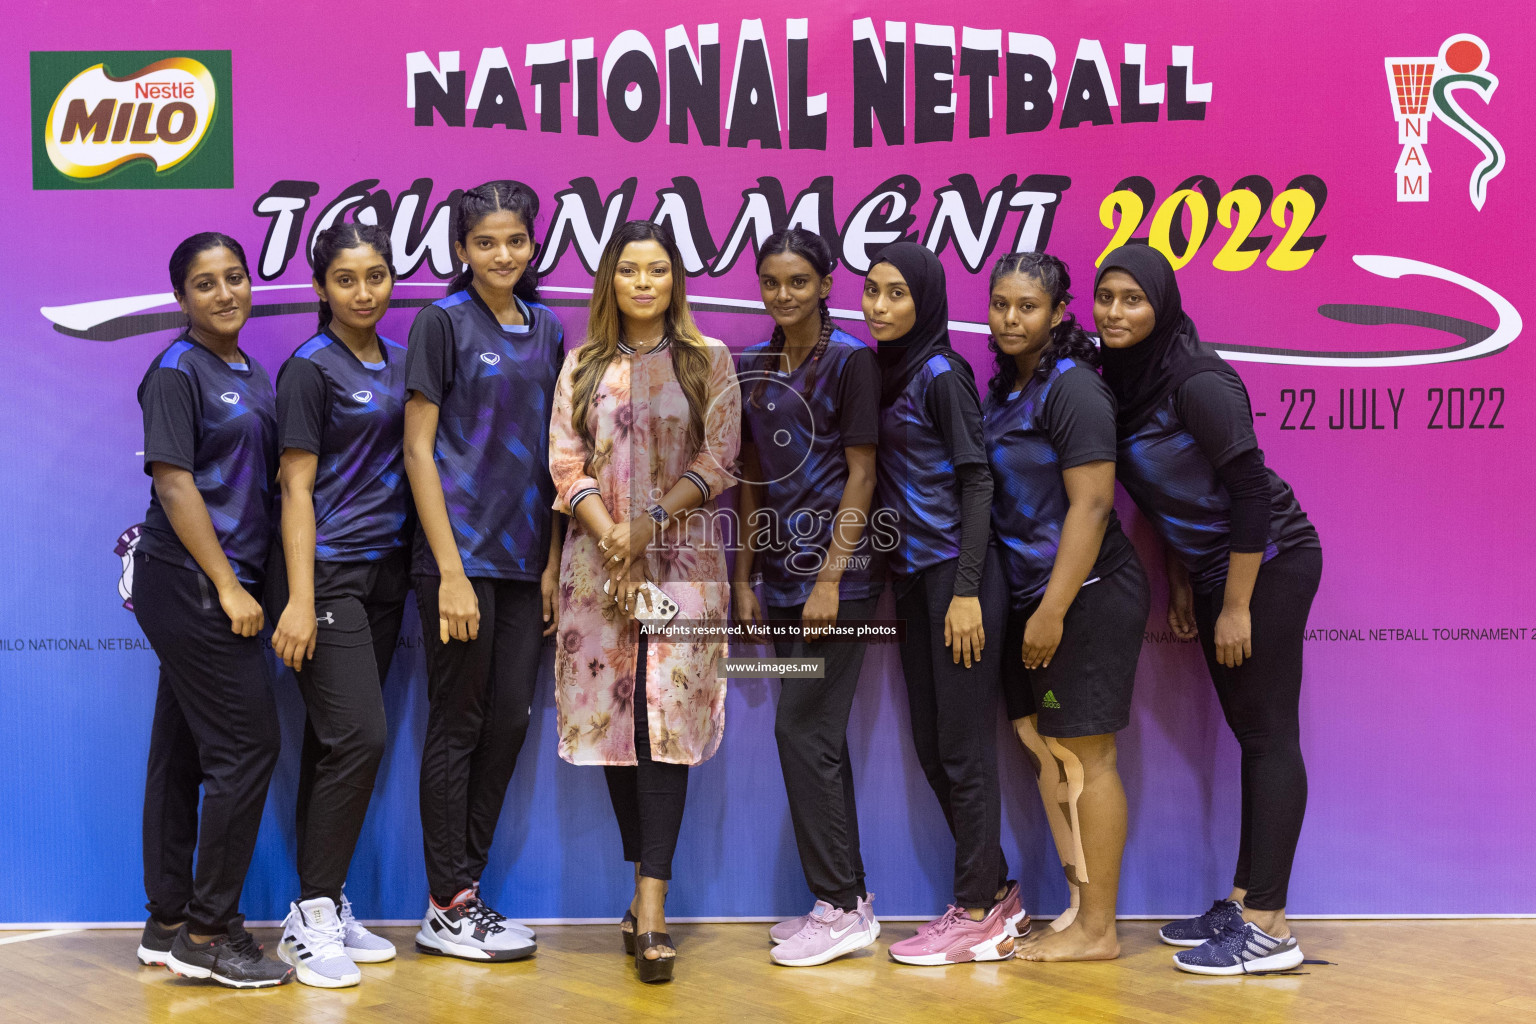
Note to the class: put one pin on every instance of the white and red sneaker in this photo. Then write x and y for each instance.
(955, 939)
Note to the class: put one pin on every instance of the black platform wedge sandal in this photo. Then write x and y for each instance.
(627, 932)
(659, 969)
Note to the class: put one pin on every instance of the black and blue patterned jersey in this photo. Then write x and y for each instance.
(916, 482)
(352, 416)
(494, 387)
(1033, 435)
(1171, 475)
(800, 424)
(218, 422)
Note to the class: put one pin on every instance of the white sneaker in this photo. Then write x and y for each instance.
(465, 929)
(501, 919)
(312, 942)
(362, 946)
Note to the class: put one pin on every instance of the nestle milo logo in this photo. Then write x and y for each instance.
(131, 119)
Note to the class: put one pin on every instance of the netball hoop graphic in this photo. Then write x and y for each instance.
(1421, 89)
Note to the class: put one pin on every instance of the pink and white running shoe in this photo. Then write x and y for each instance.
(955, 939)
(786, 930)
(828, 934)
(1018, 923)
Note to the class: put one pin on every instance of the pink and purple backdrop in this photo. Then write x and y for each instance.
(1417, 708)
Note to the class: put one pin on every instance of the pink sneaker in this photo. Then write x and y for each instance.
(828, 934)
(866, 909)
(1017, 923)
(786, 930)
(955, 939)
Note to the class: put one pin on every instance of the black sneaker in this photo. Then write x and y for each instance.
(233, 960)
(155, 943)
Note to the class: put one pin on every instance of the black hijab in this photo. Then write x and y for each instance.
(1144, 375)
(901, 358)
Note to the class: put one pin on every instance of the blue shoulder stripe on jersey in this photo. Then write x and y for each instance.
(391, 344)
(540, 305)
(938, 364)
(842, 336)
(453, 300)
(1064, 364)
(312, 346)
(172, 358)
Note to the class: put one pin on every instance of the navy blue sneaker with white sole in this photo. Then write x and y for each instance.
(1245, 950)
(1196, 931)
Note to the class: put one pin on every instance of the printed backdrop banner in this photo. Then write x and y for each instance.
(1346, 191)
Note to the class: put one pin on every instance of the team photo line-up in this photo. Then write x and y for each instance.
(523, 491)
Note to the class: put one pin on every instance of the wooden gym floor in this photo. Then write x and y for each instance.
(1403, 972)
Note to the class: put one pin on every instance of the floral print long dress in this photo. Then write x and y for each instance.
(639, 419)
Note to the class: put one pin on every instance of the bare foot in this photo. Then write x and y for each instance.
(1071, 943)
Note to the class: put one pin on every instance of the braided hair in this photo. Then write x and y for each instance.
(1068, 339)
(472, 207)
(814, 249)
(338, 238)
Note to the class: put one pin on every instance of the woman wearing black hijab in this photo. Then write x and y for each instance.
(1243, 566)
(936, 489)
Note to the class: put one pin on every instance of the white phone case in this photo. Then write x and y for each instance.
(656, 612)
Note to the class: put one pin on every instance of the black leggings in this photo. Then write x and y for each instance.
(1260, 699)
(478, 698)
(215, 728)
(648, 796)
(954, 720)
(358, 610)
(811, 727)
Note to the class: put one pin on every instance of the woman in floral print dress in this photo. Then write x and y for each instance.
(643, 438)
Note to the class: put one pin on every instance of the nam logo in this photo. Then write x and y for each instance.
(131, 119)
(1422, 89)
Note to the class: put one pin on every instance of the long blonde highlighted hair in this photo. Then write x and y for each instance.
(605, 329)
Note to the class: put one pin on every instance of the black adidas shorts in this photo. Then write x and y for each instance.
(1086, 690)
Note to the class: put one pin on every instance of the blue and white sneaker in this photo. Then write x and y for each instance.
(362, 946)
(1197, 931)
(1245, 950)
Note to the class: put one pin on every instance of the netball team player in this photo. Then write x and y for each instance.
(950, 593)
(810, 420)
(1243, 566)
(340, 421)
(210, 445)
(481, 374)
(1079, 596)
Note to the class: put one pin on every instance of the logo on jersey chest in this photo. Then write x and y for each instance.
(363, 397)
(490, 358)
(230, 398)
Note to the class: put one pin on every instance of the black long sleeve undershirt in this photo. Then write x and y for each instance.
(975, 526)
(1247, 485)
(955, 409)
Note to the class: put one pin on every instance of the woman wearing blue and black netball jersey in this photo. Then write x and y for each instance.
(481, 373)
(340, 420)
(210, 445)
(950, 592)
(1079, 595)
(1244, 564)
(810, 415)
